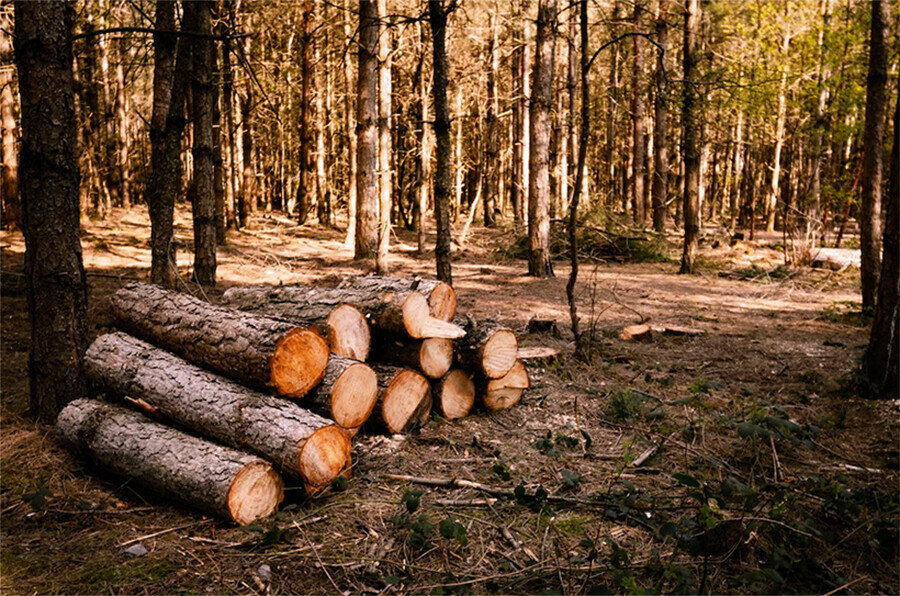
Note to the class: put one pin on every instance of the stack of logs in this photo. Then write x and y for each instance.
(280, 373)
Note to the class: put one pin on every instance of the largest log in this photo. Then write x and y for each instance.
(255, 350)
(298, 442)
(398, 313)
(214, 479)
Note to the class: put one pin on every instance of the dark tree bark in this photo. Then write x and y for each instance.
(539, 264)
(691, 149)
(367, 133)
(880, 375)
(203, 200)
(661, 157)
(172, 65)
(247, 199)
(306, 41)
(49, 176)
(639, 167)
(873, 143)
(9, 182)
(442, 183)
(492, 130)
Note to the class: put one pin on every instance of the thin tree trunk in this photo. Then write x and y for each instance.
(438, 18)
(689, 118)
(227, 101)
(639, 168)
(525, 73)
(772, 199)
(49, 174)
(122, 136)
(424, 158)
(350, 126)
(460, 166)
(303, 191)
(247, 203)
(737, 169)
(539, 264)
(611, 113)
(385, 185)
(9, 177)
(661, 166)
(367, 147)
(492, 133)
(323, 184)
(571, 91)
(873, 143)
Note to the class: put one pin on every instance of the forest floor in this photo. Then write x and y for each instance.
(737, 460)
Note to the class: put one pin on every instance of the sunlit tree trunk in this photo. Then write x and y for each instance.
(737, 169)
(9, 177)
(227, 100)
(438, 19)
(367, 143)
(661, 155)
(690, 150)
(385, 186)
(492, 132)
(123, 140)
(639, 168)
(350, 129)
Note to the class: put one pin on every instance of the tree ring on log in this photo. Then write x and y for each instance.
(443, 302)
(324, 455)
(436, 357)
(348, 332)
(500, 352)
(255, 492)
(299, 362)
(457, 395)
(506, 391)
(354, 396)
(406, 401)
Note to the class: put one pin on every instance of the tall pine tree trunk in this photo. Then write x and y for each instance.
(350, 128)
(384, 139)
(772, 199)
(49, 174)
(367, 143)
(438, 19)
(492, 132)
(303, 187)
(661, 155)
(691, 149)
(639, 168)
(9, 181)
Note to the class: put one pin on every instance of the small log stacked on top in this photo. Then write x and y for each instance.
(276, 382)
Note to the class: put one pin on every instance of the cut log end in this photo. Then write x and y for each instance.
(354, 395)
(443, 302)
(255, 492)
(324, 456)
(406, 402)
(505, 392)
(348, 332)
(436, 357)
(499, 353)
(455, 395)
(421, 325)
(299, 362)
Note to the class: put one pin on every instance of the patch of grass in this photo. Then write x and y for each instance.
(100, 578)
(575, 525)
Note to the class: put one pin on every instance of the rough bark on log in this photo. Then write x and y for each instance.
(405, 400)
(454, 395)
(214, 479)
(344, 326)
(432, 357)
(347, 394)
(505, 392)
(397, 314)
(296, 441)
(249, 348)
(488, 348)
(441, 296)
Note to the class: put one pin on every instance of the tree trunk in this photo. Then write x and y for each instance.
(54, 274)
(247, 203)
(344, 326)
(517, 185)
(873, 143)
(9, 176)
(737, 170)
(347, 394)
(441, 296)
(814, 214)
(295, 440)
(505, 392)
(488, 348)
(249, 348)
(689, 119)
(880, 374)
(772, 199)
(304, 195)
(350, 125)
(323, 116)
(432, 357)
(491, 144)
(454, 394)
(203, 202)
(122, 136)
(539, 264)
(367, 144)
(405, 400)
(385, 185)
(612, 112)
(442, 184)
(216, 480)
(227, 27)
(661, 165)
(639, 168)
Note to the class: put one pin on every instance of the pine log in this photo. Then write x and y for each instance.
(505, 392)
(405, 400)
(432, 357)
(211, 478)
(400, 314)
(347, 394)
(538, 354)
(296, 441)
(488, 349)
(344, 326)
(255, 350)
(441, 296)
(454, 395)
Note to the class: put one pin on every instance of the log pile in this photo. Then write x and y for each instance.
(278, 380)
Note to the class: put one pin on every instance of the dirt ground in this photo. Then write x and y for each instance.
(737, 460)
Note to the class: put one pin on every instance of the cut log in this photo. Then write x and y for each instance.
(296, 441)
(344, 326)
(214, 479)
(537, 354)
(405, 400)
(398, 314)
(454, 395)
(488, 348)
(679, 331)
(347, 394)
(499, 394)
(255, 350)
(432, 357)
(441, 296)
(637, 333)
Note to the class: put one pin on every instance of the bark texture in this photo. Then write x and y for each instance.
(367, 133)
(441, 296)
(442, 182)
(49, 178)
(296, 441)
(250, 348)
(9, 176)
(690, 138)
(488, 348)
(661, 154)
(432, 357)
(204, 475)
